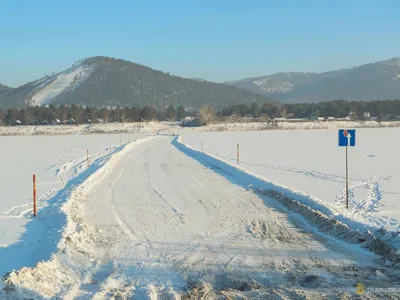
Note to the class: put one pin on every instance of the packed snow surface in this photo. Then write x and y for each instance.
(155, 219)
(294, 124)
(310, 162)
(55, 160)
(141, 127)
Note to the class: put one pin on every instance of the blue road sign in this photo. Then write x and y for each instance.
(347, 137)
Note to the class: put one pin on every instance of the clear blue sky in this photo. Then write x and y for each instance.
(217, 40)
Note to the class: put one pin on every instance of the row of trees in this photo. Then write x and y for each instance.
(270, 109)
(79, 115)
(337, 109)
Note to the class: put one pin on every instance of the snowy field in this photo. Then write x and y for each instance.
(294, 125)
(171, 127)
(310, 162)
(155, 219)
(84, 129)
(55, 160)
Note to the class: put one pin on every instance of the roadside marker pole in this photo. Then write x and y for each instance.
(347, 138)
(202, 146)
(190, 140)
(237, 152)
(110, 146)
(87, 157)
(34, 195)
(120, 141)
(347, 180)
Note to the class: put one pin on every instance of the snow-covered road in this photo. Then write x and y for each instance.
(169, 225)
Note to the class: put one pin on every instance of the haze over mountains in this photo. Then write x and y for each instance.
(103, 81)
(372, 81)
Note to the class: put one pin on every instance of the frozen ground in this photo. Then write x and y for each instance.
(171, 127)
(55, 160)
(160, 221)
(309, 162)
(157, 220)
(291, 125)
(149, 127)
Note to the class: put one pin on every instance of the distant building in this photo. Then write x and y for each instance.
(193, 122)
(248, 116)
(290, 116)
(351, 116)
(367, 114)
(263, 117)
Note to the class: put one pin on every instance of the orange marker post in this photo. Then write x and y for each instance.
(34, 195)
(237, 152)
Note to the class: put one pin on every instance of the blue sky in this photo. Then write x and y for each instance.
(216, 40)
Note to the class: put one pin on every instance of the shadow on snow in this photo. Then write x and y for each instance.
(43, 233)
(250, 181)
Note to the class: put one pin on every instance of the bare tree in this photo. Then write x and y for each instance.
(283, 111)
(206, 114)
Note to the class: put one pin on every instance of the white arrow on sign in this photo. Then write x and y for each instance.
(348, 138)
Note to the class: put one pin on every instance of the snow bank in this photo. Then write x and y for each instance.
(55, 160)
(149, 127)
(287, 125)
(72, 260)
(308, 166)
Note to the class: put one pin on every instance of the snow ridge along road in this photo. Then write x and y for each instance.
(158, 224)
(62, 251)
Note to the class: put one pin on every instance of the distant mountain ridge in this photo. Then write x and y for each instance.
(103, 81)
(3, 88)
(380, 80)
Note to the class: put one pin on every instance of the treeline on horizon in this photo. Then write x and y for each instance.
(80, 115)
(75, 114)
(336, 109)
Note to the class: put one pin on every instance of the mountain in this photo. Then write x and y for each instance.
(380, 80)
(198, 79)
(3, 88)
(104, 81)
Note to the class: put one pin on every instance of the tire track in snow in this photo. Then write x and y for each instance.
(214, 244)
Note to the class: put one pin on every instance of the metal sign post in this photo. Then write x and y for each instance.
(347, 179)
(347, 138)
